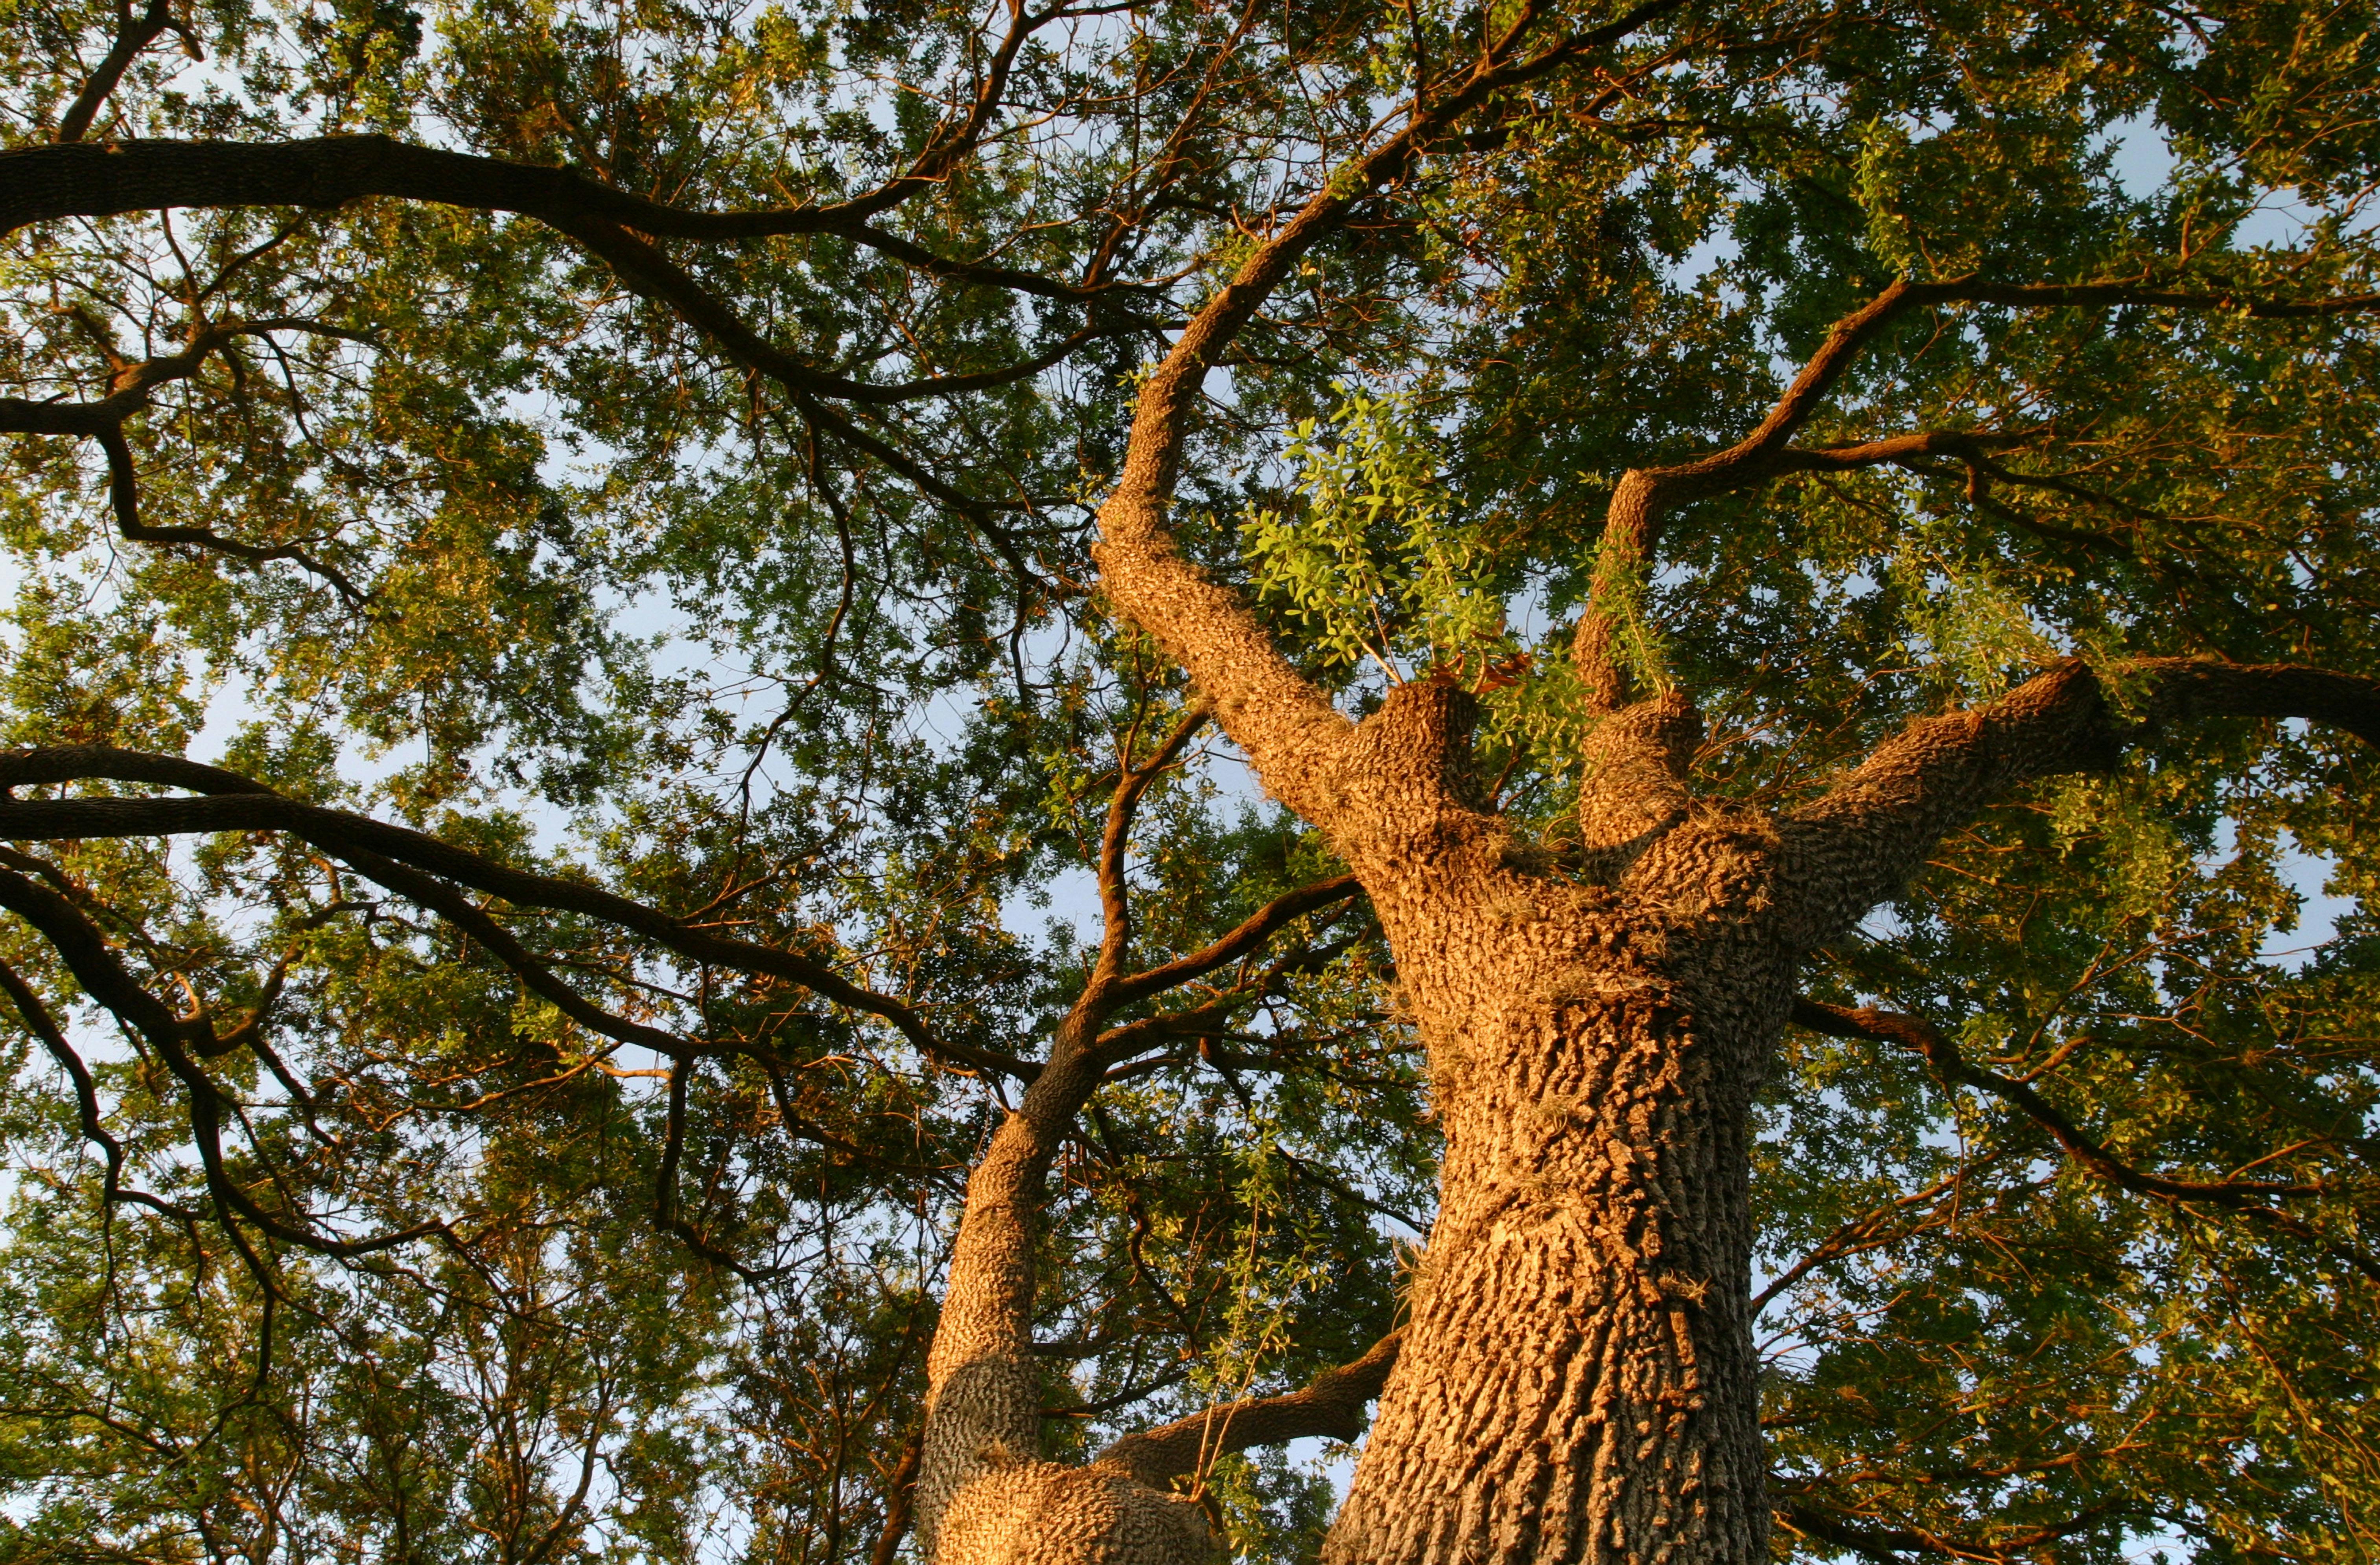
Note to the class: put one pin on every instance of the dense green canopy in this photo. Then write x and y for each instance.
(725, 582)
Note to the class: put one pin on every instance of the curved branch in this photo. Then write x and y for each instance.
(1246, 940)
(1288, 729)
(124, 500)
(105, 979)
(133, 386)
(95, 1130)
(1644, 495)
(251, 807)
(1922, 1038)
(1332, 1405)
(1857, 845)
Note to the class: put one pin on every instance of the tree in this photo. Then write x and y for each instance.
(812, 483)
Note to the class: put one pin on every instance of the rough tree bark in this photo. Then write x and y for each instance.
(983, 1494)
(1577, 1380)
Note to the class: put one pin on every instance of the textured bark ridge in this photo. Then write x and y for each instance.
(1577, 1380)
(984, 1496)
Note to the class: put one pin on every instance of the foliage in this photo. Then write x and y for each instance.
(827, 673)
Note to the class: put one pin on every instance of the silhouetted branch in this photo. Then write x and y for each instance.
(246, 806)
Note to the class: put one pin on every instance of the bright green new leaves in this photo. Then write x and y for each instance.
(627, 613)
(1380, 560)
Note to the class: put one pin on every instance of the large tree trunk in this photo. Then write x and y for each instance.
(1578, 1381)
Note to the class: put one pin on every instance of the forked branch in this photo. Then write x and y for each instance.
(1645, 496)
(104, 977)
(134, 32)
(1286, 726)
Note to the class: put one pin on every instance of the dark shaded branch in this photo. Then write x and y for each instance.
(1125, 1398)
(132, 385)
(133, 34)
(124, 499)
(1885, 1544)
(1832, 1528)
(451, 905)
(251, 807)
(105, 979)
(1332, 1405)
(665, 1208)
(2246, 1197)
(654, 275)
(1922, 1038)
(95, 1130)
(910, 253)
(40, 183)
(976, 509)
(1870, 1231)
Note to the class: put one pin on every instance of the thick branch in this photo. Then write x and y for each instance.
(133, 34)
(1856, 846)
(40, 183)
(1330, 1406)
(1287, 727)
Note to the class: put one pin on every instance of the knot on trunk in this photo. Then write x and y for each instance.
(1411, 759)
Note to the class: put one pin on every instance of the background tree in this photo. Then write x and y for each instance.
(1768, 562)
